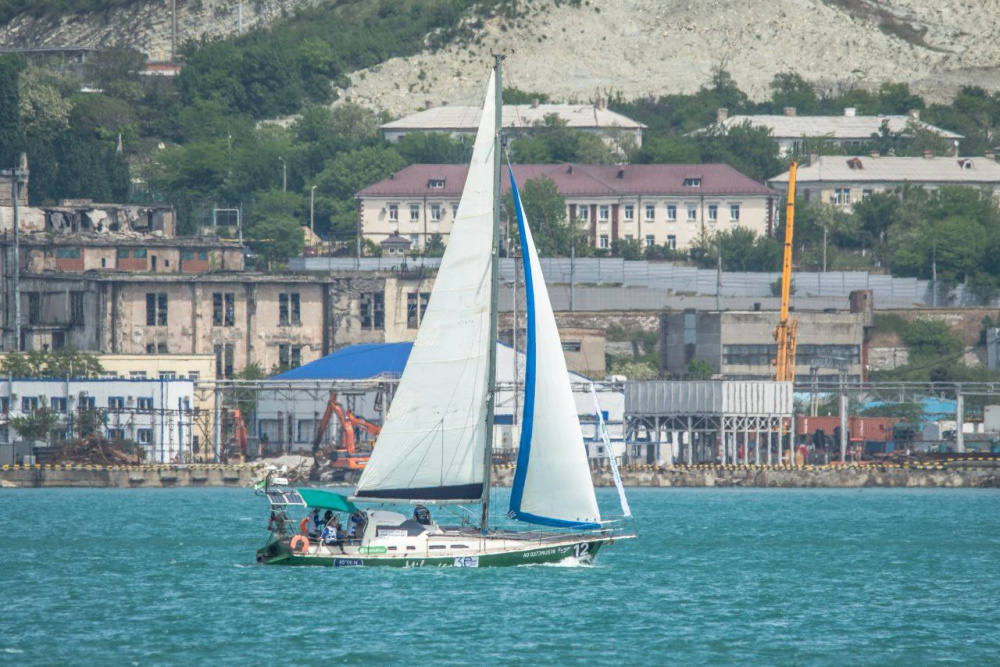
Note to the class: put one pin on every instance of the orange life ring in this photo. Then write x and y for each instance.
(300, 544)
(304, 526)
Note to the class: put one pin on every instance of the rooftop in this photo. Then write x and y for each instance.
(963, 170)
(447, 180)
(848, 126)
(466, 119)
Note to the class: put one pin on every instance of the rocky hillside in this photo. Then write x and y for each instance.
(145, 25)
(578, 49)
(642, 47)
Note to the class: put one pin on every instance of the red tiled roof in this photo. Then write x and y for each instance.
(579, 180)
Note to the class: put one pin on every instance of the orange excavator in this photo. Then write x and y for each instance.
(345, 456)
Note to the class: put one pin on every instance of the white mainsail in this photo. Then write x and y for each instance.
(433, 445)
(552, 483)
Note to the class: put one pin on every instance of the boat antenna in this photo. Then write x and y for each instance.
(494, 288)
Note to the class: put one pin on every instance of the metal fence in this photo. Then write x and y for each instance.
(689, 281)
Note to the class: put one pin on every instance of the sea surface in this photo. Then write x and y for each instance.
(726, 576)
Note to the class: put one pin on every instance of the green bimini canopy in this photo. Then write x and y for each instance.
(327, 500)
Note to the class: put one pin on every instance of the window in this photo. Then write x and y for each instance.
(194, 376)
(87, 403)
(224, 355)
(672, 242)
(629, 237)
(373, 310)
(604, 241)
(116, 434)
(650, 211)
(187, 254)
(289, 356)
(168, 375)
(139, 254)
(67, 253)
(144, 404)
(223, 309)
(203, 255)
(393, 213)
(571, 346)
(116, 403)
(454, 210)
(734, 212)
(604, 213)
(713, 212)
(866, 193)
(156, 309)
(842, 196)
(435, 213)
(414, 213)
(750, 355)
(34, 308)
(29, 403)
(671, 212)
(136, 375)
(413, 318)
(584, 212)
(76, 314)
(692, 182)
(849, 354)
(58, 340)
(4, 404)
(122, 253)
(144, 436)
(436, 183)
(156, 348)
(629, 212)
(650, 240)
(289, 308)
(692, 214)
(414, 241)
(58, 404)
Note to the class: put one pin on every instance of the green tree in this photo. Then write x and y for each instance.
(699, 369)
(44, 110)
(11, 132)
(545, 210)
(789, 89)
(435, 246)
(63, 363)
(38, 424)
(275, 238)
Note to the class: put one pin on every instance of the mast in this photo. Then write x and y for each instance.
(494, 289)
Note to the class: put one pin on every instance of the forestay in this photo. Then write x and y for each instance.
(552, 483)
(433, 443)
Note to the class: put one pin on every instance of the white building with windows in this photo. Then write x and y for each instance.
(655, 204)
(844, 181)
(158, 414)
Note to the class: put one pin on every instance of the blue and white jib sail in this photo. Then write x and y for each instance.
(552, 483)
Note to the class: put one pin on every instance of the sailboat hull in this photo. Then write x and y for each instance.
(495, 551)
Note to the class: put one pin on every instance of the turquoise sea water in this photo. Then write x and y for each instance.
(872, 576)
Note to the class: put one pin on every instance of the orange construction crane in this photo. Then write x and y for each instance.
(786, 330)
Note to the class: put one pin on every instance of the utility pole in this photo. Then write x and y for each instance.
(312, 211)
(934, 288)
(18, 173)
(173, 30)
(959, 420)
(824, 248)
(718, 274)
(572, 268)
(284, 175)
(843, 423)
(239, 19)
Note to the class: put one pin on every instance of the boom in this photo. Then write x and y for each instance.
(786, 330)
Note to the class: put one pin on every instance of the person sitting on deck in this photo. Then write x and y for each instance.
(315, 524)
(422, 515)
(356, 525)
(333, 535)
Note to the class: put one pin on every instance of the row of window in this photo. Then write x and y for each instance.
(806, 355)
(223, 310)
(628, 212)
(604, 242)
(58, 403)
(583, 212)
(132, 253)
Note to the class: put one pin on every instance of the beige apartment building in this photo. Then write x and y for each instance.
(844, 181)
(654, 204)
(238, 319)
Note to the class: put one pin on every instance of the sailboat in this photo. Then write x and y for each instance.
(435, 446)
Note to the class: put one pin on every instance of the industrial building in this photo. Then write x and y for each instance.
(740, 345)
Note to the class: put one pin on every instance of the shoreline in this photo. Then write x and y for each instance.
(984, 474)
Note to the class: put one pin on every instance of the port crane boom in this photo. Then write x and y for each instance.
(786, 330)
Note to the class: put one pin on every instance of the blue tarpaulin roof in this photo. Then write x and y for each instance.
(356, 362)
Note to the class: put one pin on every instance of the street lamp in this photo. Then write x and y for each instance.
(312, 211)
(284, 175)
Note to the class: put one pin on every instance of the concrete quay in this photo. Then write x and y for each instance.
(126, 477)
(968, 474)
